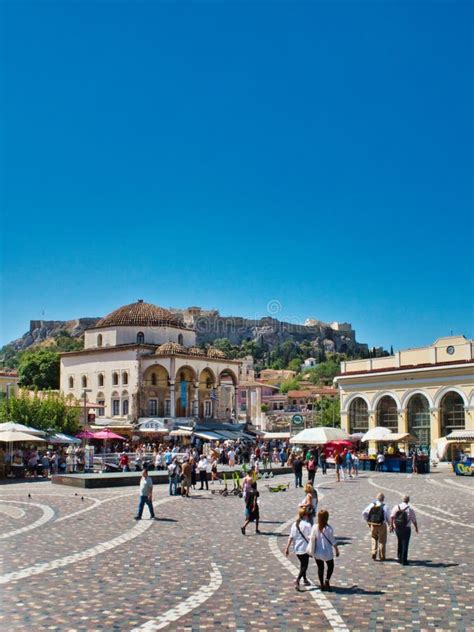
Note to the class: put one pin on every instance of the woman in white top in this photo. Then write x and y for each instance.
(321, 546)
(300, 536)
(310, 501)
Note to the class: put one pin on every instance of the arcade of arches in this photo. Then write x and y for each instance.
(191, 393)
(417, 417)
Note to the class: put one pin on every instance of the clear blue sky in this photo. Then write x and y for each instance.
(231, 154)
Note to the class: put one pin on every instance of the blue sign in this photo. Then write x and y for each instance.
(184, 393)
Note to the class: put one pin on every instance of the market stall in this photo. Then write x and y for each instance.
(463, 461)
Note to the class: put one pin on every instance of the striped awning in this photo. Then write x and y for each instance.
(461, 435)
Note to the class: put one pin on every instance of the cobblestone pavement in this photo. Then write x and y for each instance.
(73, 560)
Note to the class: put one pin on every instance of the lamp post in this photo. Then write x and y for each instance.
(84, 395)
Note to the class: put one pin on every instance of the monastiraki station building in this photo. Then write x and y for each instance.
(428, 392)
(141, 362)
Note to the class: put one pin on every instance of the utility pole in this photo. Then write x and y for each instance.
(84, 394)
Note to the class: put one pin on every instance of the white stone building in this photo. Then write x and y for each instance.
(141, 361)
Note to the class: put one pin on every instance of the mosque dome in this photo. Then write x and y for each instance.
(196, 351)
(140, 314)
(216, 354)
(171, 348)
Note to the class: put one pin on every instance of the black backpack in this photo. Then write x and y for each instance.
(376, 514)
(401, 517)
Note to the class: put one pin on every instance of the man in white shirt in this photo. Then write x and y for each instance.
(379, 462)
(146, 495)
(402, 518)
(377, 516)
(202, 469)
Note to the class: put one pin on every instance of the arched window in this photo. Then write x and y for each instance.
(84, 381)
(153, 379)
(180, 339)
(115, 378)
(452, 413)
(125, 407)
(418, 411)
(387, 414)
(124, 378)
(99, 340)
(140, 338)
(358, 416)
(71, 382)
(100, 379)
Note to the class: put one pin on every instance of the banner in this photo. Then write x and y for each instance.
(183, 385)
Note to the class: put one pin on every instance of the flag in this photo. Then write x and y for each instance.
(213, 395)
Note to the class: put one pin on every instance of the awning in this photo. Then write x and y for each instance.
(462, 436)
(208, 435)
(181, 433)
(318, 436)
(276, 435)
(401, 437)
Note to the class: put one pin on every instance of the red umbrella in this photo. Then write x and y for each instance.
(85, 434)
(106, 434)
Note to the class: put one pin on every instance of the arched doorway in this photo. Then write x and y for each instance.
(387, 414)
(184, 390)
(207, 381)
(155, 400)
(419, 422)
(452, 415)
(226, 395)
(358, 416)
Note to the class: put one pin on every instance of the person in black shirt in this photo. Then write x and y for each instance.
(252, 513)
(298, 471)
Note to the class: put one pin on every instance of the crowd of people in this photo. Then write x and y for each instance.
(31, 463)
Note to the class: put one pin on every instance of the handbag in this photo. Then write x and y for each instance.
(336, 548)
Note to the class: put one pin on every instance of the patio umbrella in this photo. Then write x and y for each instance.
(319, 436)
(106, 434)
(12, 425)
(376, 434)
(85, 434)
(13, 436)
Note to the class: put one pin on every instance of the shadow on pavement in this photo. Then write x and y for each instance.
(355, 590)
(431, 564)
(166, 519)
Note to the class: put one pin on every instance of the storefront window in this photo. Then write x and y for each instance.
(387, 414)
(358, 416)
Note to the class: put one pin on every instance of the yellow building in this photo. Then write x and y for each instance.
(428, 392)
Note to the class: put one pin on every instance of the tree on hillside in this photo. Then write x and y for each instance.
(289, 385)
(328, 412)
(39, 369)
(295, 365)
(49, 412)
(325, 372)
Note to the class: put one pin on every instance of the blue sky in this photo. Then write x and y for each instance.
(230, 154)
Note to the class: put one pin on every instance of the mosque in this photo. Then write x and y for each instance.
(141, 363)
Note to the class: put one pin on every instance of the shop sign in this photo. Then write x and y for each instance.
(463, 469)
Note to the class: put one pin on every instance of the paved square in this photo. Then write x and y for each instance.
(78, 561)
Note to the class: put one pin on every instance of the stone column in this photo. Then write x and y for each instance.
(247, 404)
(435, 426)
(372, 447)
(172, 400)
(258, 404)
(195, 406)
(215, 388)
(345, 420)
(402, 420)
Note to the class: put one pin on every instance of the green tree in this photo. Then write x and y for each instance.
(295, 365)
(325, 372)
(50, 411)
(328, 412)
(289, 385)
(39, 369)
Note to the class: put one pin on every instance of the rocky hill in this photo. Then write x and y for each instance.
(209, 325)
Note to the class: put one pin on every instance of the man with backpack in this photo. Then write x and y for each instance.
(402, 518)
(377, 516)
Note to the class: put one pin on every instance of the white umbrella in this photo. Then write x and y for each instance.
(12, 425)
(379, 433)
(13, 436)
(319, 436)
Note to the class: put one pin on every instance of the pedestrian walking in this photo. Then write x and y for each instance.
(339, 468)
(202, 469)
(349, 460)
(310, 501)
(300, 534)
(377, 516)
(298, 471)
(380, 460)
(323, 546)
(173, 477)
(186, 476)
(355, 463)
(402, 517)
(146, 496)
(252, 511)
(322, 462)
(311, 467)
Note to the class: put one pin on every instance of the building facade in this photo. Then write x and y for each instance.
(141, 361)
(428, 392)
(8, 384)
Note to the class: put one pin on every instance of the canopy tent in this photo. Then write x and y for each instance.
(276, 435)
(356, 436)
(153, 430)
(318, 436)
(12, 425)
(59, 437)
(14, 436)
(376, 434)
(181, 432)
(208, 435)
(401, 437)
(461, 436)
(85, 434)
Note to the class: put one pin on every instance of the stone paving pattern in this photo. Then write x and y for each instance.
(140, 580)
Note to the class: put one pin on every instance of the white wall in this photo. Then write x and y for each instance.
(128, 335)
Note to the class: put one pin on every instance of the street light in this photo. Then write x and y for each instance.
(84, 395)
